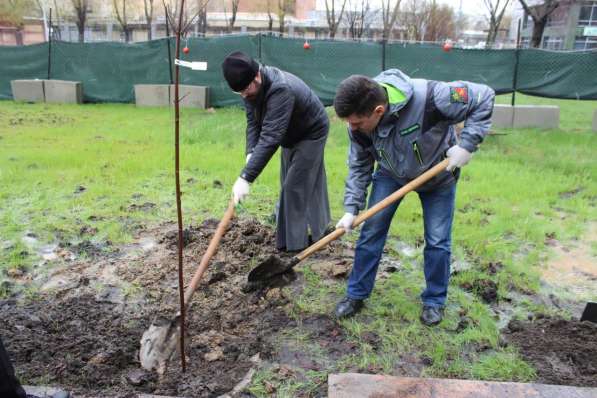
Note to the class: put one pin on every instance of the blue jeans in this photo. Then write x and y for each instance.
(438, 213)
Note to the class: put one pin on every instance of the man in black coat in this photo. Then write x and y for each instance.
(282, 111)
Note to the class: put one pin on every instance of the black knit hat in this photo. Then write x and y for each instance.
(239, 70)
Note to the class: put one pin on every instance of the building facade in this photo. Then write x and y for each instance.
(572, 26)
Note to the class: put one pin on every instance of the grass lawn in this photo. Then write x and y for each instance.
(64, 169)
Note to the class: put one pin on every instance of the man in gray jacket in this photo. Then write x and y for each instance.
(282, 111)
(406, 126)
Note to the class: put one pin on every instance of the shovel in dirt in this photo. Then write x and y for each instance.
(159, 342)
(274, 266)
(590, 313)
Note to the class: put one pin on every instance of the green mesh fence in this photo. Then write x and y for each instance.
(558, 74)
(214, 50)
(109, 71)
(492, 67)
(22, 62)
(325, 64)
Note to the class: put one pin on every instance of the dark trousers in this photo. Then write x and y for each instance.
(9, 384)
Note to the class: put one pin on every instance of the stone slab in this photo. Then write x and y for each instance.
(47, 392)
(28, 90)
(503, 116)
(595, 121)
(191, 96)
(152, 94)
(354, 385)
(536, 116)
(63, 91)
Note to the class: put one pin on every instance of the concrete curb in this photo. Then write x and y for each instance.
(28, 90)
(152, 94)
(63, 91)
(349, 385)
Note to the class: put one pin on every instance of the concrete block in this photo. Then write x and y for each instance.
(28, 90)
(63, 91)
(540, 116)
(353, 385)
(503, 116)
(191, 96)
(152, 94)
(595, 121)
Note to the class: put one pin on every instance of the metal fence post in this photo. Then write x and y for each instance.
(50, 47)
(383, 54)
(516, 58)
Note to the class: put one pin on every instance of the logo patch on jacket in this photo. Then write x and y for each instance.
(458, 94)
(410, 129)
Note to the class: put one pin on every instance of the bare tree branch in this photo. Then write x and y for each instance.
(389, 15)
(330, 14)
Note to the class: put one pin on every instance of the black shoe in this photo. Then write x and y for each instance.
(432, 315)
(347, 307)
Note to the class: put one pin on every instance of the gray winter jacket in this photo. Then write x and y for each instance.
(286, 112)
(416, 131)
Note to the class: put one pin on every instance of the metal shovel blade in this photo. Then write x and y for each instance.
(270, 267)
(590, 313)
(158, 345)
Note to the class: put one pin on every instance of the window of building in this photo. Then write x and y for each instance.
(588, 14)
(585, 43)
(553, 43)
(526, 21)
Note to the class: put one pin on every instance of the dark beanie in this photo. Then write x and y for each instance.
(239, 70)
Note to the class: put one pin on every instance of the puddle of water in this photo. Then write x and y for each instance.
(573, 268)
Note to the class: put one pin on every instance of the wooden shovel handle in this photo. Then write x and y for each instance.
(411, 186)
(211, 250)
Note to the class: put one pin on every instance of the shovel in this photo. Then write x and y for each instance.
(159, 342)
(590, 313)
(274, 266)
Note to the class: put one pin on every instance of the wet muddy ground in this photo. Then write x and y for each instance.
(81, 330)
(562, 351)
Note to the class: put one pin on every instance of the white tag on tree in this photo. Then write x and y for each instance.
(195, 65)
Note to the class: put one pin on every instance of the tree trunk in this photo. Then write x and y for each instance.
(149, 33)
(19, 36)
(81, 29)
(538, 28)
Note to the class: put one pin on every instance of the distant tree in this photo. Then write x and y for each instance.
(234, 9)
(81, 7)
(389, 13)
(332, 17)
(414, 18)
(202, 16)
(284, 7)
(496, 9)
(148, 10)
(539, 14)
(440, 21)
(270, 18)
(13, 12)
(120, 13)
(358, 16)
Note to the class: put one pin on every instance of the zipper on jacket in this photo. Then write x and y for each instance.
(383, 155)
(417, 152)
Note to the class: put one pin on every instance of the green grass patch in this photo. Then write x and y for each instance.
(65, 169)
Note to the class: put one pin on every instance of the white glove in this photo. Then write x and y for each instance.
(346, 222)
(248, 157)
(240, 190)
(458, 157)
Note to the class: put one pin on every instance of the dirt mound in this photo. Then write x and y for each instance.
(563, 352)
(86, 338)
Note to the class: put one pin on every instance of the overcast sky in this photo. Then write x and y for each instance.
(470, 7)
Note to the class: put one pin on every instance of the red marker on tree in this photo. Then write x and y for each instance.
(306, 46)
(447, 47)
